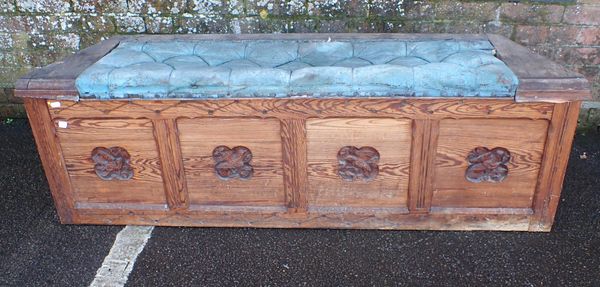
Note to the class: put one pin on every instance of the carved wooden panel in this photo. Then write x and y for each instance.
(457, 137)
(358, 163)
(487, 165)
(198, 139)
(233, 163)
(112, 163)
(144, 190)
(391, 138)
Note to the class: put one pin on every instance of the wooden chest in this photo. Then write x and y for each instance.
(387, 162)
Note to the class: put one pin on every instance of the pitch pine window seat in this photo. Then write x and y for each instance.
(383, 131)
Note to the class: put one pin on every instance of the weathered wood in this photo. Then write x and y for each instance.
(500, 222)
(481, 211)
(422, 163)
(306, 108)
(295, 166)
(52, 158)
(198, 139)
(390, 137)
(553, 90)
(167, 140)
(296, 181)
(540, 79)
(457, 138)
(556, 156)
(57, 81)
(79, 137)
(526, 64)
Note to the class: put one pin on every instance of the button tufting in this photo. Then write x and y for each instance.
(259, 68)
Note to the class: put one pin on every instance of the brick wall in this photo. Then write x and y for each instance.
(35, 33)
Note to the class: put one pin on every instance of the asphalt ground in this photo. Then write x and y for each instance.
(35, 250)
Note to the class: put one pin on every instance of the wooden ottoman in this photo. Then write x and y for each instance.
(382, 131)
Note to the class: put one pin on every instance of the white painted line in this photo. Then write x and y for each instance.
(120, 260)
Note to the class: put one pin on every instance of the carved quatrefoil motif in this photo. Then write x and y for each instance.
(112, 163)
(358, 163)
(487, 165)
(233, 163)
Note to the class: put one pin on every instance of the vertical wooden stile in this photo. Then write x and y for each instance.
(423, 150)
(554, 164)
(295, 167)
(51, 155)
(167, 140)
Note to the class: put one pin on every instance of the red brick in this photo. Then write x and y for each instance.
(576, 56)
(592, 73)
(155, 7)
(271, 7)
(419, 10)
(387, 8)
(96, 24)
(503, 29)
(527, 13)
(591, 2)
(532, 35)
(466, 11)
(159, 25)
(100, 6)
(7, 6)
(589, 36)
(44, 6)
(582, 14)
(572, 35)
(589, 56)
(563, 35)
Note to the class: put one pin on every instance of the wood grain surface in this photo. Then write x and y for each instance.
(306, 108)
(391, 137)
(540, 79)
(57, 80)
(500, 222)
(167, 141)
(52, 158)
(81, 136)
(295, 166)
(422, 164)
(422, 145)
(199, 137)
(523, 138)
(556, 156)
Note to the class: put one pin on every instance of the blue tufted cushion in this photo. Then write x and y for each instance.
(280, 68)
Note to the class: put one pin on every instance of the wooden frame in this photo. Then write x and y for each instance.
(282, 136)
